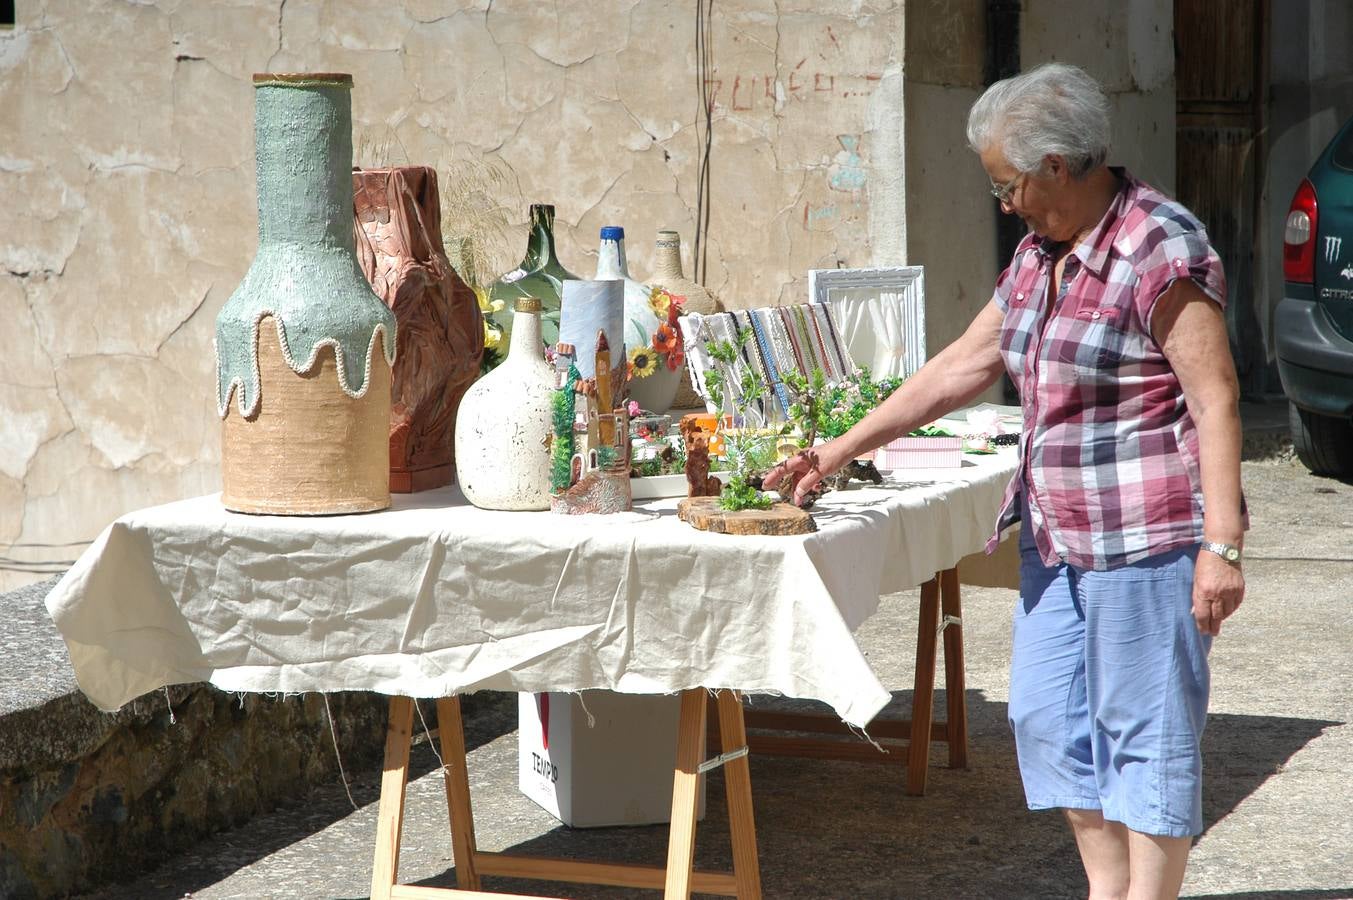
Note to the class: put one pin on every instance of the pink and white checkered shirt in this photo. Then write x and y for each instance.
(1109, 453)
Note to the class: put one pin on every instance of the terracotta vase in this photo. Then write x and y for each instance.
(540, 274)
(303, 346)
(441, 331)
(502, 459)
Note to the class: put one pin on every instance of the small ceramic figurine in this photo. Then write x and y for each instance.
(699, 483)
(591, 448)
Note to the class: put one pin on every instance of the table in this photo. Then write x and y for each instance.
(434, 598)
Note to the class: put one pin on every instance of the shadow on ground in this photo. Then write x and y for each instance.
(841, 829)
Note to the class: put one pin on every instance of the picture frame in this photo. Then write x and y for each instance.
(880, 313)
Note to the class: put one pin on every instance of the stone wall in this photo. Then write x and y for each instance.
(88, 797)
(127, 157)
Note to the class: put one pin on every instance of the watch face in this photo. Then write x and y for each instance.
(1231, 554)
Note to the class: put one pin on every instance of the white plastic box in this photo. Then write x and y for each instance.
(617, 770)
(920, 453)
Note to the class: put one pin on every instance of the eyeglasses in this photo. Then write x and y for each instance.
(1004, 192)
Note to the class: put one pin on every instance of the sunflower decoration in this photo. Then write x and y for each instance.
(642, 362)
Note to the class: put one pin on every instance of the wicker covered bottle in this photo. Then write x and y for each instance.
(303, 346)
(667, 274)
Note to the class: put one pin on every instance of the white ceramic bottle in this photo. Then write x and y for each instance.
(653, 392)
(502, 461)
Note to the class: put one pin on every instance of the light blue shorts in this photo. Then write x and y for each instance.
(1108, 691)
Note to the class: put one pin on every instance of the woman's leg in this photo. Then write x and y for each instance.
(1049, 714)
(1148, 677)
(1104, 853)
(1157, 865)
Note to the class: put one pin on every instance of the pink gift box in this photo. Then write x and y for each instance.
(920, 453)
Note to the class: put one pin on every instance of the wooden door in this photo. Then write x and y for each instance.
(1221, 82)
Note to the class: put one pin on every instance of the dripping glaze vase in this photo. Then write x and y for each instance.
(304, 346)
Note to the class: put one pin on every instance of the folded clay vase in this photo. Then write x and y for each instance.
(441, 331)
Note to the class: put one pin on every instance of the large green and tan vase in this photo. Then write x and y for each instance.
(303, 346)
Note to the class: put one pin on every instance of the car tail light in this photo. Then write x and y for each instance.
(1299, 236)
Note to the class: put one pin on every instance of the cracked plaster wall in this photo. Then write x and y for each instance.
(126, 149)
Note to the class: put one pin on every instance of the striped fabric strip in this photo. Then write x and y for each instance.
(768, 361)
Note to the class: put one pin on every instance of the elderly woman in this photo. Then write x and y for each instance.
(1109, 320)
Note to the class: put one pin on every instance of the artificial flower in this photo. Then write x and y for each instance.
(665, 339)
(675, 359)
(644, 361)
(633, 408)
(659, 301)
(492, 336)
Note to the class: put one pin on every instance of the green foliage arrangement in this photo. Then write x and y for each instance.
(830, 410)
(748, 452)
(563, 407)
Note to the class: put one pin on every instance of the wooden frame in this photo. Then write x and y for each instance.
(941, 613)
(895, 296)
(677, 879)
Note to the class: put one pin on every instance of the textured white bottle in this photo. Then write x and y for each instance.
(502, 461)
(655, 392)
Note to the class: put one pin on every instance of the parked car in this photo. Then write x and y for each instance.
(1313, 324)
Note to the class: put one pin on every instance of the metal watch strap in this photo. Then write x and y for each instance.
(1228, 552)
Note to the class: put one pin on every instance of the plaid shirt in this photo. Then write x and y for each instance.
(1109, 453)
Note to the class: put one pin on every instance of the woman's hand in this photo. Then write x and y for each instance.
(1218, 588)
(805, 469)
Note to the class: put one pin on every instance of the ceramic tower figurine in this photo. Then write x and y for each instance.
(540, 274)
(303, 346)
(653, 392)
(502, 455)
(441, 331)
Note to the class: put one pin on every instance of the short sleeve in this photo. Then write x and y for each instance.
(1005, 284)
(1186, 254)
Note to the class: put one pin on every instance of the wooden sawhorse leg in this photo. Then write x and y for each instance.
(940, 612)
(678, 879)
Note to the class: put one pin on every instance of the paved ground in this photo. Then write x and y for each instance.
(1279, 802)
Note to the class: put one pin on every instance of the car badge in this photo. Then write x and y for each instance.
(1332, 247)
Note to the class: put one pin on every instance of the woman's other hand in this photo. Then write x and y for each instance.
(1218, 588)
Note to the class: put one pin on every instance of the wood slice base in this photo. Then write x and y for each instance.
(705, 514)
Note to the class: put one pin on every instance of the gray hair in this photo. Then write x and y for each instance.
(1053, 109)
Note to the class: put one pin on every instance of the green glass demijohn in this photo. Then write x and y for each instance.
(540, 274)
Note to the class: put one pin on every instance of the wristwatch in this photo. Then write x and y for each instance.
(1228, 552)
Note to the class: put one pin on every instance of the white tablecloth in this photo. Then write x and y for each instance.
(435, 597)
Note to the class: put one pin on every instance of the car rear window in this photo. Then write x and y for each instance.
(1343, 150)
